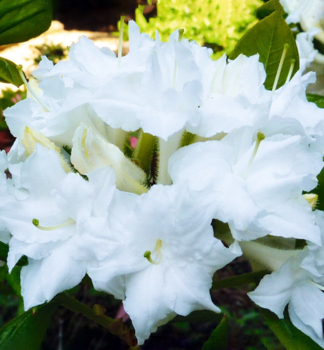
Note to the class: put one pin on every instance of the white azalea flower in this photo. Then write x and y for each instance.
(256, 188)
(56, 223)
(299, 282)
(168, 260)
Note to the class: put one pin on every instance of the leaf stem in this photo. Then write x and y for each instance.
(115, 326)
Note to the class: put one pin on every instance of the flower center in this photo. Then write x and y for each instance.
(50, 228)
(157, 250)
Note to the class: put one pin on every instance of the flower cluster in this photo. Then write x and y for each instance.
(213, 145)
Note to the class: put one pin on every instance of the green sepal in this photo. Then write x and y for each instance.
(219, 338)
(289, 336)
(27, 331)
(21, 20)
(267, 38)
(9, 72)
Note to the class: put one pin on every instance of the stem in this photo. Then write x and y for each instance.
(115, 326)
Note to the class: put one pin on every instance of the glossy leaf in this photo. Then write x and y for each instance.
(27, 331)
(267, 38)
(21, 20)
(289, 336)
(9, 72)
(219, 338)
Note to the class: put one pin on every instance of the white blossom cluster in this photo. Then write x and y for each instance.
(224, 148)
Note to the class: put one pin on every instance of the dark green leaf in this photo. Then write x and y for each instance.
(317, 99)
(199, 316)
(267, 38)
(4, 248)
(13, 280)
(247, 278)
(27, 331)
(21, 20)
(268, 8)
(219, 338)
(291, 337)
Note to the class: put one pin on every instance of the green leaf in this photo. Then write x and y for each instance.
(21, 20)
(9, 72)
(267, 38)
(317, 99)
(268, 8)
(13, 279)
(4, 248)
(219, 338)
(27, 331)
(289, 336)
(247, 278)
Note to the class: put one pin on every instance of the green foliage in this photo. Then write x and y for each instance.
(219, 338)
(317, 99)
(54, 52)
(26, 331)
(22, 20)
(291, 337)
(268, 38)
(9, 72)
(215, 23)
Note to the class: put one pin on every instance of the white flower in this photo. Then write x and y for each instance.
(306, 49)
(161, 100)
(299, 282)
(167, 261)
(255, 183)
(60, 226)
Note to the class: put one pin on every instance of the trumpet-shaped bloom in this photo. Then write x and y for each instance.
(299, 282)
(255, 187)
(59, 225)
(168, 259)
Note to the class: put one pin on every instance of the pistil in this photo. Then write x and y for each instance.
(120, 46)
(260, 137)
(282, 59)
(51, 228)
(157, 249)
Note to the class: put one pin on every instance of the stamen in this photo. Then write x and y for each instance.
(157, 249)
(292, 65)
(260, 137)
(120, 47)
(286, 47)
(181, 31)
(316, 285)
(30, 89)
(50, 228)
